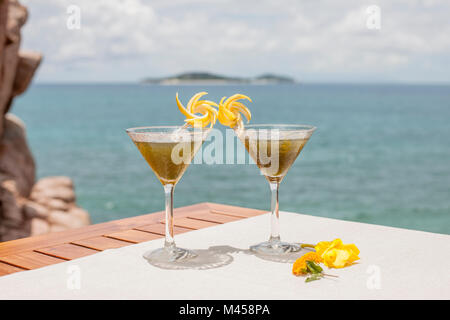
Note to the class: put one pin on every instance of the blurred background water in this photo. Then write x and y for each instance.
(381, 153)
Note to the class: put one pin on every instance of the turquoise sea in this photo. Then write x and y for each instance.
(381, 153)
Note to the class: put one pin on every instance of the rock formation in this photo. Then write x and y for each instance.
(27, 207)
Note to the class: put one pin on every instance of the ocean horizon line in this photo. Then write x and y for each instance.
(331, 83)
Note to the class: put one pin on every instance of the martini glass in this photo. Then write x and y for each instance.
(274, 148)
(169, 151)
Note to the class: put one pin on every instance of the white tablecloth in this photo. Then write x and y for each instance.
(395, 264)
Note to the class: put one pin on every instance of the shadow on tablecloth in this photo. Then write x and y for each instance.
(219, 256)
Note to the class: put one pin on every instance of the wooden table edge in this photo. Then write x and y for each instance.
(38, 243)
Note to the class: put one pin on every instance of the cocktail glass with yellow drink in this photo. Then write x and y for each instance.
(274, 148)
(169, 150)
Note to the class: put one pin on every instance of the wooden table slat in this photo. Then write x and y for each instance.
(235, 211)
(134, 236)
(192, 223)
(67, 251)
(101, 243)
(217, 218)
(8, 269)
(30, 260)
(56, 238)
(159, 228)
(35, 252)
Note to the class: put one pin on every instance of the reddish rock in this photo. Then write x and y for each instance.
(12, 216)
(28, 63)
(16, 15)
(35, 210)
(39, 226)
(65, 220)
(57, 204)
(16, 160)
(26, 208)
(57, 228)
(53, 182)
(16, 233)
(81, 215)
(44, 195)
(3, 18)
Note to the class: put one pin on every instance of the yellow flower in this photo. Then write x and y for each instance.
(335, 254)
(299, 266)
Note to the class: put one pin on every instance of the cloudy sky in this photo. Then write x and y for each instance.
(310, 40)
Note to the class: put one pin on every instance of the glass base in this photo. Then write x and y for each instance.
(276, 250)
(168, 256)
(178, 258)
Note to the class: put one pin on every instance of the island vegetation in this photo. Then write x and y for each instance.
(211, 78)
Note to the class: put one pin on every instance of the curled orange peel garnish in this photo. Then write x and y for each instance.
(230, 110)
(196, 106)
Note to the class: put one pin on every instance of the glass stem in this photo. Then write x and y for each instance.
(275, 215)
(168, 190)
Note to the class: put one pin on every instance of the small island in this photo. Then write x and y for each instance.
(206, 78)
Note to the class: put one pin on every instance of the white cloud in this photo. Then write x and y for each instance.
(307, 39)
